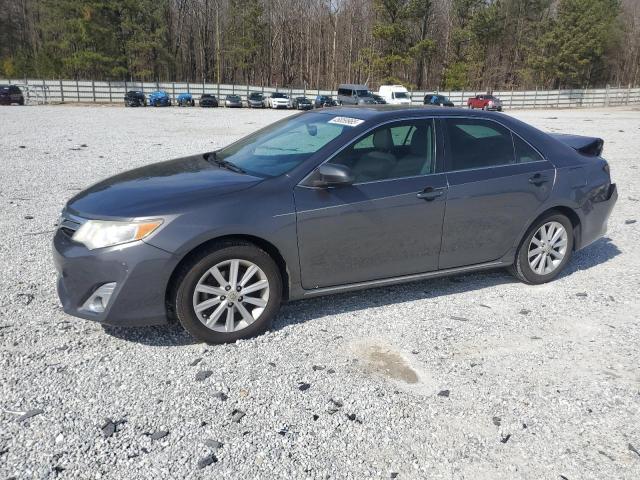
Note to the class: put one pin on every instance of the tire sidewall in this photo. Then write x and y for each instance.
(523, 251)
(183, 297)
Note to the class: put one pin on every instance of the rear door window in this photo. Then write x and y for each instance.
(525, 152)
(476, 143)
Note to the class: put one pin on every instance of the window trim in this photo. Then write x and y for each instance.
(466, 117)
(366, 132)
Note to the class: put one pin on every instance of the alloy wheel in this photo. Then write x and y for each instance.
(547, 248)
(231, 295)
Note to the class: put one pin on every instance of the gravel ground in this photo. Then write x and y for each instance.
(475, 376)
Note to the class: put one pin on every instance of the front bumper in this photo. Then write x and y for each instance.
(141, 273)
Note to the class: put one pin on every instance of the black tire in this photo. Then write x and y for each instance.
(521, 268)
(181, 296)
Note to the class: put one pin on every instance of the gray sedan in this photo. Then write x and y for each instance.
(323, 202)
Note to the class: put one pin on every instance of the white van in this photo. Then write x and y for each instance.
(395, 94)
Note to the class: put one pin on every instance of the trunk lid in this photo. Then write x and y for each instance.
(588, 146)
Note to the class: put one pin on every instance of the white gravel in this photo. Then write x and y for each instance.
(543, 381)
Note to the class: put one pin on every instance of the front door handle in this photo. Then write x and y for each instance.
(538, 179)
(430, 193)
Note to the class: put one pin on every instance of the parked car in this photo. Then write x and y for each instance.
(395, 94)
(301, 103)
(233, 101)
(11, 94)
(378, 99)
(324, 101)
(208, 100)
(438, 100)
(255, 100)
(349, 94)
(185, 100)
(135, 98)
(218, 241)
(159, 98)
(278, 100)
(485, 102)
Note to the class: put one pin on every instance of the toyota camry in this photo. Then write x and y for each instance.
(328, 201)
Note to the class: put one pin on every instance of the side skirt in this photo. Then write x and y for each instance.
(403, 279)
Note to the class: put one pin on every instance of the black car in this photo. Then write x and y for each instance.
(233, 101)
(135, 98)
(301, 103)
(378, 99)
(324, 101)
(255, 100)
(208, 100)
(11, 94)
(323, 202)
(437, 100)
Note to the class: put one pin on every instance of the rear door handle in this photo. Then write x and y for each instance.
(430, 193)
(538, 179)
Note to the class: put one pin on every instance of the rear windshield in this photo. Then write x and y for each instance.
(401, 95)
(282, 146)
(364, 93)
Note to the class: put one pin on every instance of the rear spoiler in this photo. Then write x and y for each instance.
(589, 146)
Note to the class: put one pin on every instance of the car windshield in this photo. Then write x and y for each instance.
(207, 95)
(255, 96)
(282, 146)
(363, 93)
(401, 95)
(278, 95)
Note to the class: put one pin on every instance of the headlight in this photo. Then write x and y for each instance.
(101, 233)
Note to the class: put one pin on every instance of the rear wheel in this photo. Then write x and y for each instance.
(230, 292)
(545, 250)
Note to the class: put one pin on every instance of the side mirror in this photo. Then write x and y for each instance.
(330, 175)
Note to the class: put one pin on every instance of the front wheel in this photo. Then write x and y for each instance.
(229, 292)
(545, 250)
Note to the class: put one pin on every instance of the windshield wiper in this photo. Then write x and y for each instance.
(212, 157)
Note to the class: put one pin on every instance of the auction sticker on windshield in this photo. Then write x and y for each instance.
(348, 121)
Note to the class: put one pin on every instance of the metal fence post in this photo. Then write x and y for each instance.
(110, 98)
(93, 90)
(535, 99)
(44, 91)
(77, 91)
(61, 92)
(606, 96)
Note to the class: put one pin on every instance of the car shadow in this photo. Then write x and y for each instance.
(599, 252)
(305, 310)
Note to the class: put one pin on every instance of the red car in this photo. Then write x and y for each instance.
(485, 102)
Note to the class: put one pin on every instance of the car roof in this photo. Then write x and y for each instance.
(377, 112)
(353, 86)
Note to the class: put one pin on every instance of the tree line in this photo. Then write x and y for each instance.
(423, 44)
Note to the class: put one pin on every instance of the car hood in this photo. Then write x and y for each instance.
(158, 189)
